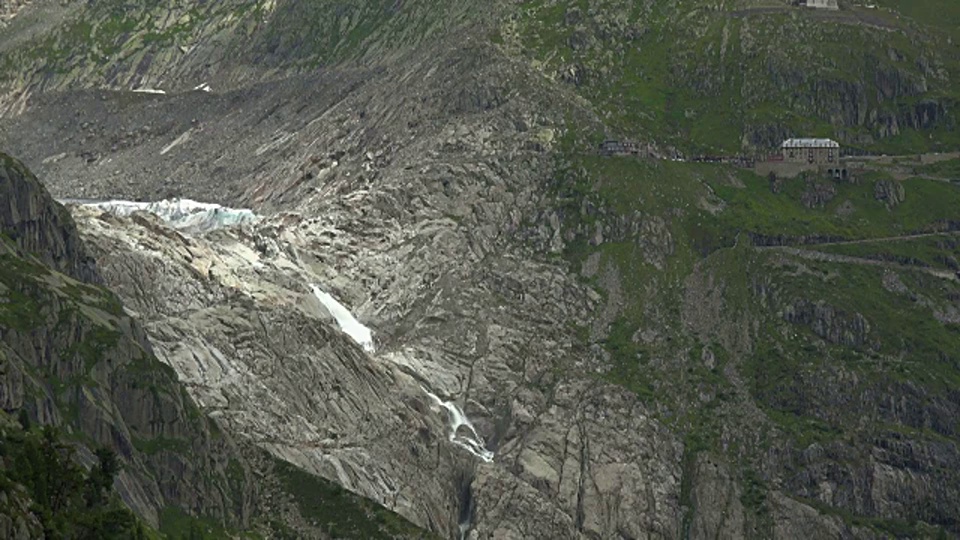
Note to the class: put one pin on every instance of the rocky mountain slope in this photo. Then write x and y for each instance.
(73, 358)
(647, 347)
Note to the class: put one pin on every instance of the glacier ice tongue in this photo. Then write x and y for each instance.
(347, 322)
(466, 438)
(182, 214)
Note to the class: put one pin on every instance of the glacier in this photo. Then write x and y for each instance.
(182, 214)
(347, 322)
(467, 438)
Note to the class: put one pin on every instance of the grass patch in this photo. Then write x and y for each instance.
(897, 528)
(339, 512)
(949, 170)
(160, 444)
(755, 208)
(701, 79)
(937, 252)
(175, 524)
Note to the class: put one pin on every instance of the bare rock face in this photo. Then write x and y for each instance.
(716, 501)
(17, 522)
(72, 357)
(818, 194)
(10, 8)
(38, 225)
(828, 322)
(232, 312)
(889, 192)
(793, 519)
(237, 319)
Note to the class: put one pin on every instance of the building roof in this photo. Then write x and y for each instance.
(810, 143)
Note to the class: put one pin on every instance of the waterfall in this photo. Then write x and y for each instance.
(466, 438)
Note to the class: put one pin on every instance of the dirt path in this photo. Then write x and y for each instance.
(907, 159)
(854, 17)
(813, 255)
(889, 238)
(866, 240)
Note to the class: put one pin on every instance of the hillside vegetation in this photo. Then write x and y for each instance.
(176, 46)
(742, 76)
(803, 330)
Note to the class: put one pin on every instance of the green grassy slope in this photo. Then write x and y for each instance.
(780, 327)
(709, 79)
(750, 351)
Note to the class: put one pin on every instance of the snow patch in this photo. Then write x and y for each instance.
(150, 91)
(462, 433)
(177, 142)
(202, 87)
(181, 214)
(347, 322)
(279, 139)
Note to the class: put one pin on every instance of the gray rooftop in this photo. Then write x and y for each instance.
(810, 143)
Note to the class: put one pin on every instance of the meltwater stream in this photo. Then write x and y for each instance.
(347, 322)
(461, 430)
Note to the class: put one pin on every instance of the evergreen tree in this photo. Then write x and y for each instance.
(24, 419)
(67, 501)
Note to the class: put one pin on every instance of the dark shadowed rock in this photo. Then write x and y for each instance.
(889, 192)
(40, 226)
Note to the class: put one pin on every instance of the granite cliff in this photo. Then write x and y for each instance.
(74, 359)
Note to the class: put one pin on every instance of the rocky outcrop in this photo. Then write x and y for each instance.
(831, 324)
(257, 350)
(10, 8)
(818, 194)
(38, 225)
(17, 521)
(73, 358)
(715, 501)
(889, 192)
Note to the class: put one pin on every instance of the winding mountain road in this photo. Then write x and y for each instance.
(809, 252)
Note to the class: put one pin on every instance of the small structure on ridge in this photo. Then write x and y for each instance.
(811, 151)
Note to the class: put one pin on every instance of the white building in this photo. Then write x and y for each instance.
(820, 4)
(812, 151)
